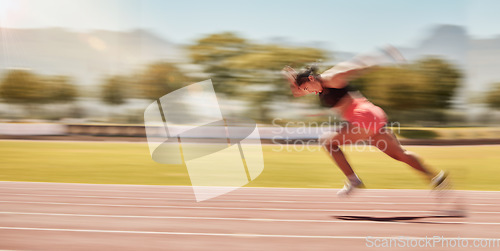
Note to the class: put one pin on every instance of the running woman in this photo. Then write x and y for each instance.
(366, 121)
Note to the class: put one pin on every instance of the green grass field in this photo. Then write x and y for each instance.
(472, 167)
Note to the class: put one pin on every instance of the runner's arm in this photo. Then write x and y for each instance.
(339, 75)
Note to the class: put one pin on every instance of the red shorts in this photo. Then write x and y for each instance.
(366, 115)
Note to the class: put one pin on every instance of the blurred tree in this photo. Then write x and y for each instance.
(441, 82)
(158, 79)
(61, 89)
(250, 71)
(23, 87)
(493, 96)
(421, 90)
(259, 72)
(114, 90)
(212, 52)
(428, 83)
(393, 88)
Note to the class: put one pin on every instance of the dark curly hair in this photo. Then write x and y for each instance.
(303, 76)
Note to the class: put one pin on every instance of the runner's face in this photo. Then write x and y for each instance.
(312, 86)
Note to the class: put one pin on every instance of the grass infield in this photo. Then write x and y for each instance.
(471, 167)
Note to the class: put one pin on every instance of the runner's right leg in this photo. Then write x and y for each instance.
(332, 141)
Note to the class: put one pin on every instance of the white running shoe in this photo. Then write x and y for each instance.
(440, 181)
(349, 187)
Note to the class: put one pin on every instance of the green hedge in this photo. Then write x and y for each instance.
(418, 134)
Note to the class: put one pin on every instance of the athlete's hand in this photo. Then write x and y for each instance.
(394, 54)
(290, 74)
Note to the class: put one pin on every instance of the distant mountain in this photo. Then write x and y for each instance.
(479, 59)
(85, 56)
(448, 41)
(483, 63)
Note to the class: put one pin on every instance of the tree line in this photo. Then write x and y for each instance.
(248, 71)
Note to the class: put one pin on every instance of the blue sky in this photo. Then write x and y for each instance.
(356, 25)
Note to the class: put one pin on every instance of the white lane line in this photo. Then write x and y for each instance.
(359, 195)
(219, 208)
(237, 208)
(183, 233)
(291, 194)
(238, 219)
(224, 234)
(240, 200)
(308, 189)
(467, 194)
(265, 190)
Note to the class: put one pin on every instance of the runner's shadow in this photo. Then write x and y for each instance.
(402, 219)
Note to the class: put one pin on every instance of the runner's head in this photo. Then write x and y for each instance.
(309, 80)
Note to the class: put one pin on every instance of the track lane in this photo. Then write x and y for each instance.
(267, 218)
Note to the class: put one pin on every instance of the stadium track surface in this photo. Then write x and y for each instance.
(59, 216)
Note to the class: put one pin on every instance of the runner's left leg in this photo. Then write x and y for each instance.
(332, 141)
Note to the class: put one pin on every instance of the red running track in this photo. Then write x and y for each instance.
(57, 216)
